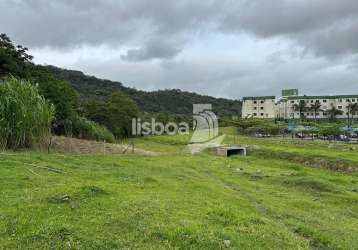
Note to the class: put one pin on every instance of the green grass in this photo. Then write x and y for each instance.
(177, 200)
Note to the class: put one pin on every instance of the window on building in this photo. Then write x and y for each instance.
(262, 101)
(255, 108)
(340, 100)
(262, 114)
(324, 113)
(255, 114)
(292, 101)
(353, 100)
(324, 100)
(340, 107)
(348, 100)
(262, 108)
(255, 102)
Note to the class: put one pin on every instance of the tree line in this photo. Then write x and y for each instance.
(24, 83)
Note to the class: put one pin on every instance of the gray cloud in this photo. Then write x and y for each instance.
(64, 24)
(154, 42)
(154, 49)
(135, 23)
(327, 28)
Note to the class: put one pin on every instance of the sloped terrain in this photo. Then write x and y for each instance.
(176, 200)
(173, 101)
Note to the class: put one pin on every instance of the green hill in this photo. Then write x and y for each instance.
(172, 101)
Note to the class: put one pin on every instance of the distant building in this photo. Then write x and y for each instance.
(259, 107)
(283, 107)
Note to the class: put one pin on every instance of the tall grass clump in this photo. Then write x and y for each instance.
(25, 116)
(86, 129)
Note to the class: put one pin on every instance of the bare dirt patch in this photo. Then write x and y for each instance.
(61, 144)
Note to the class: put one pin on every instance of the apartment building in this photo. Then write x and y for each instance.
(259, 107)
(340, 102)
(283, 107)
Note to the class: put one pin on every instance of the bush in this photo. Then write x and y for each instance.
(25, 116)
(86, 129)
(252, 125)
(330, 129)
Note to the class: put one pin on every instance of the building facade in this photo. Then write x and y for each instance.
(284, 107)
(259, 107)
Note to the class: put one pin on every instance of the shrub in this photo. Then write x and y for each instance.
(270, 128)
(25, 116)
(330, 129)
(86, 129)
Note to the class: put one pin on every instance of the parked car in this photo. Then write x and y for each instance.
(343, 137)
(300, 135)
(262, 135)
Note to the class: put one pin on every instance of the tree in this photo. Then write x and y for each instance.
(122, 110)
(60, 94)
(355, 110)
(352, 108)
(316, 108)
(13, 59)
(330, 130)
(97, 111)
(333, 112)
(301, 107)
(116, 113)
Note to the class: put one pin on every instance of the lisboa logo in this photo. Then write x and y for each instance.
(205, 128)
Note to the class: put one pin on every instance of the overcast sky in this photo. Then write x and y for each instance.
(224, 48)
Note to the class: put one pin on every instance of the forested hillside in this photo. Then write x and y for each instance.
(91, 108)
(172, 101)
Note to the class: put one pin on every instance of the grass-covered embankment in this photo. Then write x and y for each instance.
(176, 200)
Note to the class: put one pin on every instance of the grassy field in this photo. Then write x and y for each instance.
(305, 198)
